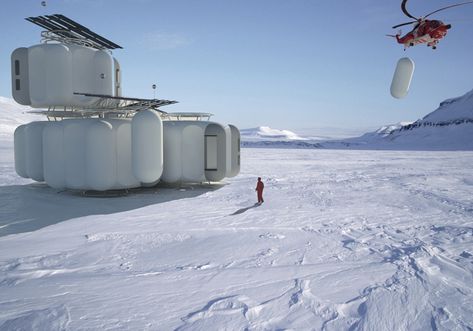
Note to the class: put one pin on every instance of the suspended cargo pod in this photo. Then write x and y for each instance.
(50, 75)
(215, 152)
(402, 78)
(233, 151)
(34, 150)
(53, 155)
(147, 146)
(122, 136)
(101, 166)
(75, 152)
(20, 151)
(19, 75)
(192, 157)
(172, 146)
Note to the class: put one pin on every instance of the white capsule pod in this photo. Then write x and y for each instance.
(50, 75)
(53, 155)
(147, 146)
(34, 150)
(193, 152)
(233, 150)
(215, 152)
(402, 78)
(20, 151)
(122, 133)
(75, 152)
(19, 76)
(100, 155)
(172, 152)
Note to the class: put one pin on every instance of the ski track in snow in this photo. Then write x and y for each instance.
(346, 240)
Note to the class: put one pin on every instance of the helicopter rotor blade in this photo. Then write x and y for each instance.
(451, 6)
(404, 10)
(402, 24)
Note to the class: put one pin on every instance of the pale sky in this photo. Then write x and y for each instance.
(287, 64)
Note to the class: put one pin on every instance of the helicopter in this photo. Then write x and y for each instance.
(425, 31)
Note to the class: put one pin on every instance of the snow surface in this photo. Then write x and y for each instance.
(346, 240)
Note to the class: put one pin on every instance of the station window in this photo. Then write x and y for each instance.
(17, 67)
(17, 84)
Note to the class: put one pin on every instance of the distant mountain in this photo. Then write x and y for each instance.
(449, 127)
(13, 115)
(265, 132)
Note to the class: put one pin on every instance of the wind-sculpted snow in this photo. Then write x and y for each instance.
(346, 240)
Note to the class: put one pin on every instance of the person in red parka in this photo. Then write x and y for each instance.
(259, 189)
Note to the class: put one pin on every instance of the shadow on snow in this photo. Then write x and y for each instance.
(25, 208)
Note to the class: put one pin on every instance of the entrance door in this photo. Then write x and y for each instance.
(210, 152)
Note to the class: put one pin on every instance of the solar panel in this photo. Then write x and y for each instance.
(65, 27)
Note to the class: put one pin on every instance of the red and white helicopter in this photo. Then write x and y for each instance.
(425, 31)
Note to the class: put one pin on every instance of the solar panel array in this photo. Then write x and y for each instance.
(65, 27)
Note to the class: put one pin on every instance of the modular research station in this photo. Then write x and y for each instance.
(96, 139)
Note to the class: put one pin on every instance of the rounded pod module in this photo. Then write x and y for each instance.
(75, 152)
(53, 155)
(184, 151)
(20, 151)
(233, 150)
(34, 150)
(147, 146)
(100, 156)
(402, 78)
(215, 152)
(122, 132)
(49, 75)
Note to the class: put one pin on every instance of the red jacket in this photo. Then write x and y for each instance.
(259, 186)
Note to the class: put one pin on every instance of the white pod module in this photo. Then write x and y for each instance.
(122, 133)
(34, 150)
(402, 78)
(193, 150)
(74, 152)
(147, 146)
(172, 146)
(50, 75)
(100, 156)
(83, 75)
(184, 151)
(215, 152)
(47, 75)
(53, 155)
(103, 75)
(19, 75)
(20, 151)
(233, 151)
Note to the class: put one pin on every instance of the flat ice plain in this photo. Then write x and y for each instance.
(346, 240)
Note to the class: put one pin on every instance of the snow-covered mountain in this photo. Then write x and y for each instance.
(449, 127)
(265, 132)
(12, 115)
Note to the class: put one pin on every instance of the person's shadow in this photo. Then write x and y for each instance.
(242, 210)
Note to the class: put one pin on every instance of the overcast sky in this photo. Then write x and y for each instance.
(288, 64)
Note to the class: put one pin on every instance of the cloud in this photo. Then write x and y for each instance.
(158, 40)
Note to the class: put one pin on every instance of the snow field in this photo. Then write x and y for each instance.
(346, 240)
